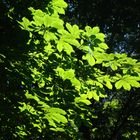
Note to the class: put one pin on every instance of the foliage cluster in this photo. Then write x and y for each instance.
(69, 74)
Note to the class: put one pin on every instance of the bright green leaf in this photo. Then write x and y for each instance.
(95, 96)
(109, 85)
(90, 59)
(58, 117)
(83, 96)
(126, 86)
(59, 3)
(89, 95)
(60, 46)
(85, 101)
(100, 36)
(95, 30)
(72, 42)
(69, 74)
(68, 48)
(119, 84)
(134, 83)
(103, 45)
(57, 110)
(69, 27)
(25, 23)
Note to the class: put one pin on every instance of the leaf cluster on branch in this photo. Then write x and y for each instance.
(62, 87)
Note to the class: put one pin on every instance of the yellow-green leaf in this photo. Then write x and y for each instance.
(119, 84)
(95, 96)
(103, 45)
(60, 46)
(126, 86)
(109, 85)
(95, 30)
(90, 59)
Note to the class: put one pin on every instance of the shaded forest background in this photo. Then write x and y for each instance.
(118, 19)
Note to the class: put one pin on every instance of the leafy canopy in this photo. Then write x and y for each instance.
(66, 84)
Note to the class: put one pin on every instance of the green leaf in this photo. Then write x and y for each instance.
(75, 28)
(119, 84)
(49, 36)
(89, 95)
(38, 20)
(59, 3)
(83, 96)
(126, 86)
(60, 46)
(57, 23)
(103, 46)
(64, 33)
(69, 27)
(88, 29)
(57, 110)
(59, 10)
(90, 59)
(81, 100)
(114, 66)
(95, 96)
(38, 126)
(127, 81)
(30, 96)
(95, 30)
(134, 83)
(100, 36)
(47, 20)
(102, 95)
(38, 13)
(87, 102)
(99, 84)
(113, 104)
(58, 117)
(70, 74)
(57, 129)
(123, 83)
(60, 72)
(75, 82)
(25, 23)
(48, 49)
(109, 85)
(72, 42)
(68, 48)
(51, 122)
(91, 31)
(41, 83)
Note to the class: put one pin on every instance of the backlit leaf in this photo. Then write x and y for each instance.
(60, 46)
(57, 110)
(126, 86)
(90, 59)
(69, 27)
(59, 3)
(69, 74)
(103, 46)
(95, 30)
(89, 95)
(100, 36)
(118, 84)
(109, 85)
(68, 48)
(95, 96)
(134, 83)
